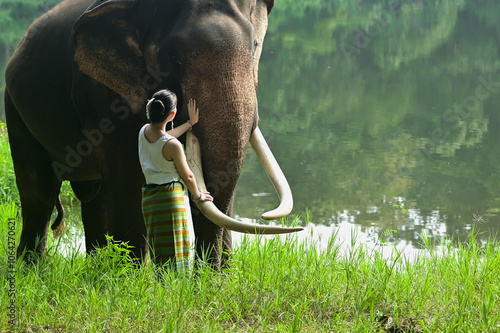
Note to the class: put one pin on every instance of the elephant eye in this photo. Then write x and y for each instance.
(174, 58)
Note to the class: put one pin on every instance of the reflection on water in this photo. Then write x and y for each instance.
(348, 237)
(370, 107)
(72, 241)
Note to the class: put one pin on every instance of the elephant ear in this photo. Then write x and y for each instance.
(107, 49)
(258, 18)
(270, 5)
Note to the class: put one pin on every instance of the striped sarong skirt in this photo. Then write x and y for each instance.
(164, 211)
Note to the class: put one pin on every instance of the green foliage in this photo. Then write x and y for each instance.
(401, 207)
(353, 131)
(114, 256)
(17, 15)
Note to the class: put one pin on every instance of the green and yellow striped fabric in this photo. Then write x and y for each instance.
(165, 216)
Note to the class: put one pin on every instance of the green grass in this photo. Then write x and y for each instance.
(8, 190)
(273, 285)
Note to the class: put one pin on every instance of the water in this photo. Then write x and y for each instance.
(371, 109)
(383, 117)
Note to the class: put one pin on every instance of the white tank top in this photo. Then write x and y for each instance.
(155, 166)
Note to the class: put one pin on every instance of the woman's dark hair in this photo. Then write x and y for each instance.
(161, 105)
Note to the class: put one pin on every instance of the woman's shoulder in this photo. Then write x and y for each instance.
(168, 138)
(171, 141)
(143, 128)
(172, 149)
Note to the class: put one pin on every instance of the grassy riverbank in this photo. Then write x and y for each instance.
(280, 285)
(272, 285)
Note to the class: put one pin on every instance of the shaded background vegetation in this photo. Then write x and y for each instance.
(15, 17)
(361, 132)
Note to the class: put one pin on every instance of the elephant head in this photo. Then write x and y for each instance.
(206, 50)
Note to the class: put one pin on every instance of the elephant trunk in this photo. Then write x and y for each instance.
(226, 96)
(211, 212)
(225, 92)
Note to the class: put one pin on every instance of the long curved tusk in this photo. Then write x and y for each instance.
(193, 154)
(274, 172)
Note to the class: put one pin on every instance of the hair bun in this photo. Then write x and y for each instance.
(157, 106)
(160, 106)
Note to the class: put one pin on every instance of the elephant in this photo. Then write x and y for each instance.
(76, 89)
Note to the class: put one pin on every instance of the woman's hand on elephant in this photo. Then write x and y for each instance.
(204, 196)
(193, 112)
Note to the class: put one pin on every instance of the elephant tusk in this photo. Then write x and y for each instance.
(193, 155)
(274, 172)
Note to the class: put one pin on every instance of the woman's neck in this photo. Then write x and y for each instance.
(158, 126)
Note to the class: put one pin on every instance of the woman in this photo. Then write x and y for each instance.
(166, 171)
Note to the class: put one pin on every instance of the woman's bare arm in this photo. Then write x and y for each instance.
(173, 151)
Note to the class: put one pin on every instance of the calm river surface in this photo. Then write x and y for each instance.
(384, 117)
(368, 107)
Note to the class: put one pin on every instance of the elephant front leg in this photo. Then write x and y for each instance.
(116, 211)
(227, 247)
(93, 199)
(213, 243)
